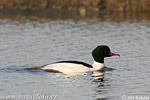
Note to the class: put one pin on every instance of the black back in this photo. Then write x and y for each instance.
(76, 62)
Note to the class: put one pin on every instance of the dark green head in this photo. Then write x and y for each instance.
(100, 52)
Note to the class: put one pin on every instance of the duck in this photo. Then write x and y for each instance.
(68, 67)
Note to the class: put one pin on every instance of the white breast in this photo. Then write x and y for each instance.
(98, 66)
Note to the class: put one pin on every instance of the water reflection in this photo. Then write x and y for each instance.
(116, 17)
(102, 83)
(98, 76)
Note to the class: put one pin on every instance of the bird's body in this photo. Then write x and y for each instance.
(78, 67)
(72, 67)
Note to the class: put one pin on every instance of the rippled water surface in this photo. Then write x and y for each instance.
(35, 41)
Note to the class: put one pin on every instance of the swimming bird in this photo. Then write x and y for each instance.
(99, 53)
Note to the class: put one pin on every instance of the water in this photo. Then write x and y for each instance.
(33, 41)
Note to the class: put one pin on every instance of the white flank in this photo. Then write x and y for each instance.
(72, 67)
(67, 67)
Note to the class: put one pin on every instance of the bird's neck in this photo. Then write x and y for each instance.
(98, 65)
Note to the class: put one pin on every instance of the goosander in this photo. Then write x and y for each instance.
(99, 53)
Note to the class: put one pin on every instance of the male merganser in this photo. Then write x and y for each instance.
(76, 66)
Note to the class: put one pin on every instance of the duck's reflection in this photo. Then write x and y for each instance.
(98, 76)
(100, 89)
(103, 83)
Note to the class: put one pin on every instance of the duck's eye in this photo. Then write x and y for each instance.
(105, 51)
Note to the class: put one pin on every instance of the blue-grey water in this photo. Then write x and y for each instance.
(34, 41)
